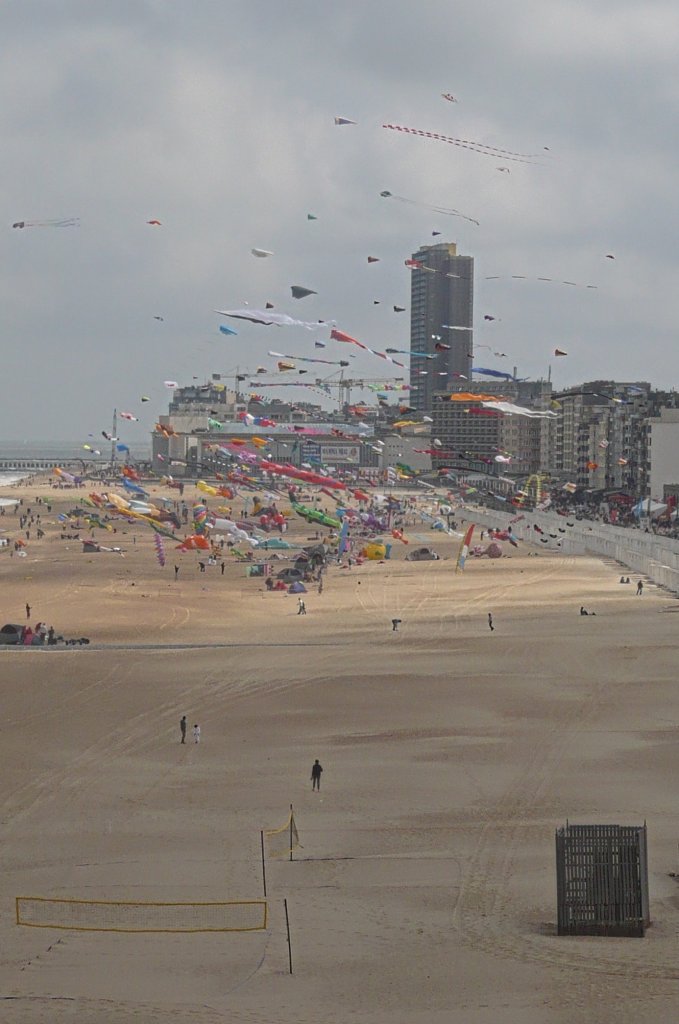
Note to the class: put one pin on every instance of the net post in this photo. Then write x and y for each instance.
(261, 838)
(287, 928)
(291, 820)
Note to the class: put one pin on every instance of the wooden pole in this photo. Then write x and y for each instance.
(261, 837)
(287, 927)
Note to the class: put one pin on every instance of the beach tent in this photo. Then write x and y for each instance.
(297, 588)
(647, 507)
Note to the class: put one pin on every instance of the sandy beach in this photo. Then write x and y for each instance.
(424, 889)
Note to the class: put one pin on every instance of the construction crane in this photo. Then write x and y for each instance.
(343, 385)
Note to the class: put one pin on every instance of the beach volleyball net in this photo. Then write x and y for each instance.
(280, 842)
(115, 916)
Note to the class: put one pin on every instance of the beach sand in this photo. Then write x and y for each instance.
(424, 890)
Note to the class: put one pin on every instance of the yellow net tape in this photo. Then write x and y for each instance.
(114, 916)
(281, 841)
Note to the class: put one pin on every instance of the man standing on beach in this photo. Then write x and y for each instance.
(316, 770)
(640, 589)
(196, 733)
(182, 728)
(490, 622)
(28, 608)
(176, 572)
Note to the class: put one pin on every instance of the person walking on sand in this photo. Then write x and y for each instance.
(182, 728)
(28, 609)
(176, 572)
(301, 609)
(395, 623)
(196, 733)
(640, 589)
(490, 622)
(316, 770)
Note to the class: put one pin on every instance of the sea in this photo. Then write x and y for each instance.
(59, 451)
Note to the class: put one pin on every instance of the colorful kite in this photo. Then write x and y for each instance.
(160, 550)
(227, 330)
(477, 147)
(341, 336)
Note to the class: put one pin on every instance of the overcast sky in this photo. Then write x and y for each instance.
(216, 118)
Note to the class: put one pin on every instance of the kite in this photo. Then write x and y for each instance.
(269, 305)
(311, 216)
(560, 352)
(408, 352)
(373, 259)
(108, 437)
(448, 96)
(447, 211)
(262, 253)
(504, 169)
(301, 293)
(493, 373)
(155, 223)
(214, 424)
(524, 277)
(122, 448)
(145, 398)
(258, 316)
(227, 330)
(170, 383)
(477, 147)
(487, 316)
(336, 335)
(399, 309)
(518, 410)
(160, 550)
(308, 359)
(319, 344)
(610, 256)
(440, 346)
(70, 222)
(464, 549)
(455, 327)
(161, 318)
(128, 416)
(283, 366)
(343, 120)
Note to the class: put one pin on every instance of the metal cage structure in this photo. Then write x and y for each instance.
(602, 880)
